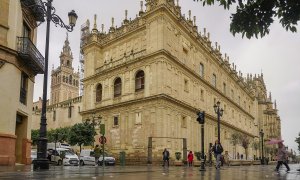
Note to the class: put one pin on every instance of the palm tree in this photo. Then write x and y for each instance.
(235, 139)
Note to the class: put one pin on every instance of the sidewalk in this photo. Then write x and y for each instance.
(150, 172)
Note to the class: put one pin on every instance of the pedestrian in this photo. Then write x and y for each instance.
(282, 157)
(166, 156)
(97, 154)
(190, 159)
(217, 149)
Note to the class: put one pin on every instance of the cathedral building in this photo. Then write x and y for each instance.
(147, 79)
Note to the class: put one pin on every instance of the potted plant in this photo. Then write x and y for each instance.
(178, 162)
(197, 161)
(178, 155)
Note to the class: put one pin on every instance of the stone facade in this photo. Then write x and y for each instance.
(20, 61)
(182, 74)
(147, 80)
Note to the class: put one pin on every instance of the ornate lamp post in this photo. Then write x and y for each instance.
(49, 13)
(261, 133)
(219, 111)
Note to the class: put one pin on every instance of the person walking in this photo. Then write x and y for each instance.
(217, 149)
(166, 156)
(190, 158)
(97, 154)
(282, 157)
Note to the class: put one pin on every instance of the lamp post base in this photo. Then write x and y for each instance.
(40, 164)
(202, 166)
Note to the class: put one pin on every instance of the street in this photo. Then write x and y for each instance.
(150, 172)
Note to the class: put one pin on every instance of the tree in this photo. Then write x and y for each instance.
(35, 134)
(244, 140)
(235, 139)
(254, 17)
(81, 134)
(298, 142)
(255, 146)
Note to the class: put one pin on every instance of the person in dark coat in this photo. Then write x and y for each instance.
(217, 149)
(166, 156)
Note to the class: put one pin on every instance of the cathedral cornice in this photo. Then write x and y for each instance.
(165, 98)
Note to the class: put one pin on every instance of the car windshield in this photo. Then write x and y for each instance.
(69, 152)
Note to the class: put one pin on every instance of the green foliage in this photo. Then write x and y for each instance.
(81, 134)
(59, 134)
(255, 145)
(235, 138)
(254, 17)
(178, 155)
(298, 141)
(35, 136)
(244, 140)
(198, 155)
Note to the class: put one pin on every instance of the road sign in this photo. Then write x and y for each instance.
(102, 140)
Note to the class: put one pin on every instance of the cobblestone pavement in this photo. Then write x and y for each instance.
(150, 172)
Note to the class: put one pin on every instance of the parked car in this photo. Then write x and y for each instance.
(108, 160)
(63, 156)
(87, 157)
(33, 155)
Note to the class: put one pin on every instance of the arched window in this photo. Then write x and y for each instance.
(117, 87)
(98, 93)
(74, 82)
(77, 83)
(139, 81)
(68, 63)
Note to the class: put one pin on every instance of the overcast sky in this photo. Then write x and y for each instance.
(276, 55)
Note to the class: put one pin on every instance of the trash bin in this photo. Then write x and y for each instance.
(122, 158)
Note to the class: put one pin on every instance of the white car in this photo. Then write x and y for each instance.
(87, 157)
(63, 156)
(33, 155)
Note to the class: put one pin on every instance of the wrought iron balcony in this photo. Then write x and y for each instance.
(30, 55)
(37, 13)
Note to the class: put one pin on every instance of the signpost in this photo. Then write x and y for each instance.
(102, 140)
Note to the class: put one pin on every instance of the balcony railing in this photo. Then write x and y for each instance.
(37, 12)
(30, 55)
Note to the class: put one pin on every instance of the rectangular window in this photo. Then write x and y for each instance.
(224, 88)
(183, 121)
(54, 115)
(26, 31)
(232, 94)
(214, 80)
(116, 120)
(23, 88)
(70, 112)
(202, 94)
(201, 70)
(138, 118)
(186, 85)
(239, 100)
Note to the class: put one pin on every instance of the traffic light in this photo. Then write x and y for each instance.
(201, 117)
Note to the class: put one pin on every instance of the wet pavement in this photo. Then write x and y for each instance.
(257, 172)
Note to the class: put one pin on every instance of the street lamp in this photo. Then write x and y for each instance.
(48, 12)
(219, 111)
(201, 120)
(261, 133)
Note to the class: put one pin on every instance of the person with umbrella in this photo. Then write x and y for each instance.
(282, 157)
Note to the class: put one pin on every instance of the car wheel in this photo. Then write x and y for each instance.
(59, 162)
(81, 163)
